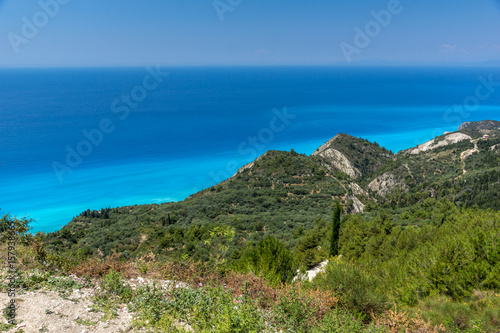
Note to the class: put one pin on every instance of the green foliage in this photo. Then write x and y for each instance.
(312, 248)
(367, 157)
(113, 283)
(334, 239)
(269, 259)
(4, 327)
(271, 200)
(207, 309)
(111, 291)
(215, 310)
(357, 289)
(219, 239)
(341, 321)
(294, 312)
(14, 228)
(307, 250)
(38, 279)
(478, 313)
(453, 254)
(149, 303)
(9, 312)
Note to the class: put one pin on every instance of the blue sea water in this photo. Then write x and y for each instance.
(200, 124)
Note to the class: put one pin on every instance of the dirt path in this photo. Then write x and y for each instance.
(46, 311)
(467, 153)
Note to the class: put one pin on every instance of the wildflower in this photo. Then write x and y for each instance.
(200, 284)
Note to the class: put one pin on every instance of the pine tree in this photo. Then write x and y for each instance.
(334, 241)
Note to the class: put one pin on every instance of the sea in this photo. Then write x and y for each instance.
(73, 139)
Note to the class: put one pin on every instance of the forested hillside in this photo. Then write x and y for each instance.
(419, 229)
(285, 194)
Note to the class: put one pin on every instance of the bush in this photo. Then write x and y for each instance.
(479, 313)
(271, 260)
(295, 313)
(357, 290)
(339, 321)
(113, 283)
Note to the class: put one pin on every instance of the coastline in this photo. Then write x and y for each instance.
(149, 181)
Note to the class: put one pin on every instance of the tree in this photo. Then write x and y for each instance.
(307, 250)
(334, 241)
(14, 227)
(219, 240)
(271, 260)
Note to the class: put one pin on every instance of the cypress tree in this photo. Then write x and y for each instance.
(334, 241)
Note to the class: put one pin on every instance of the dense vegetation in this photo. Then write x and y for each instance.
(367, 157)
(428, 239)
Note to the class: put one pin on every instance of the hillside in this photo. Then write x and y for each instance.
(284, 193)
(420, 231)
(480, 128)
(354, 156)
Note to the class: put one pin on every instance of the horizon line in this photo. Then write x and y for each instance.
(362, 65)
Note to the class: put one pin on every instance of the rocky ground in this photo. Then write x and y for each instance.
(49, 311)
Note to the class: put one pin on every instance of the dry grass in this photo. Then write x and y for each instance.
(96, 268)
(254, 287)
(148, 267)
(267, 297)
(395, 322)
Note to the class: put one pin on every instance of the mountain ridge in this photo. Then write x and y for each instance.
(281, 191)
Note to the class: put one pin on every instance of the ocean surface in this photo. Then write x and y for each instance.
(74, 139)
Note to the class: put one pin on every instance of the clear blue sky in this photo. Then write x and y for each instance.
(255, 32)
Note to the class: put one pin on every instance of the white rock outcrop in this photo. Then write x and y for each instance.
(385, 183)
(335, 159)
(432, 144)
(311, 273)
(357, 190)
(338, 161)
(357, 206)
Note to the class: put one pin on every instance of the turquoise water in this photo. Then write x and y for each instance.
(200, 125)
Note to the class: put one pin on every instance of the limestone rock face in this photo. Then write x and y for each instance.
(358, 206)
(433, 144)
(356, 157)
(357, 190)
(243, 168)
(386, 183)
(338, 160)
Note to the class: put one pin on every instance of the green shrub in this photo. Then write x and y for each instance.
(149, 303)
(341, 321)
(357, 290)
(112, 291)
(478, 313)
(113, 282)
(271, 260)
(295, 313)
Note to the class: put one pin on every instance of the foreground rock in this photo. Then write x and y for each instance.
(311, 273)
(47, 311)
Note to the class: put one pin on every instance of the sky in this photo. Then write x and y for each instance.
(72, 33)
